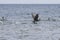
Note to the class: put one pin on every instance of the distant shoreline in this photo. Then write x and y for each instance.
(30, 4)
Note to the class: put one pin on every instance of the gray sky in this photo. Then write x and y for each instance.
(29, 1)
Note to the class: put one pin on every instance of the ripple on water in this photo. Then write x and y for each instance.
(2, 38)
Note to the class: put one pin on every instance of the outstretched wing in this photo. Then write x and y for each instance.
(33, 15)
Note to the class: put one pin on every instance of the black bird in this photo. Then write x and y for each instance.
(35, 18)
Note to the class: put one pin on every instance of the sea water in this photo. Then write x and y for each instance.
(18, 23)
